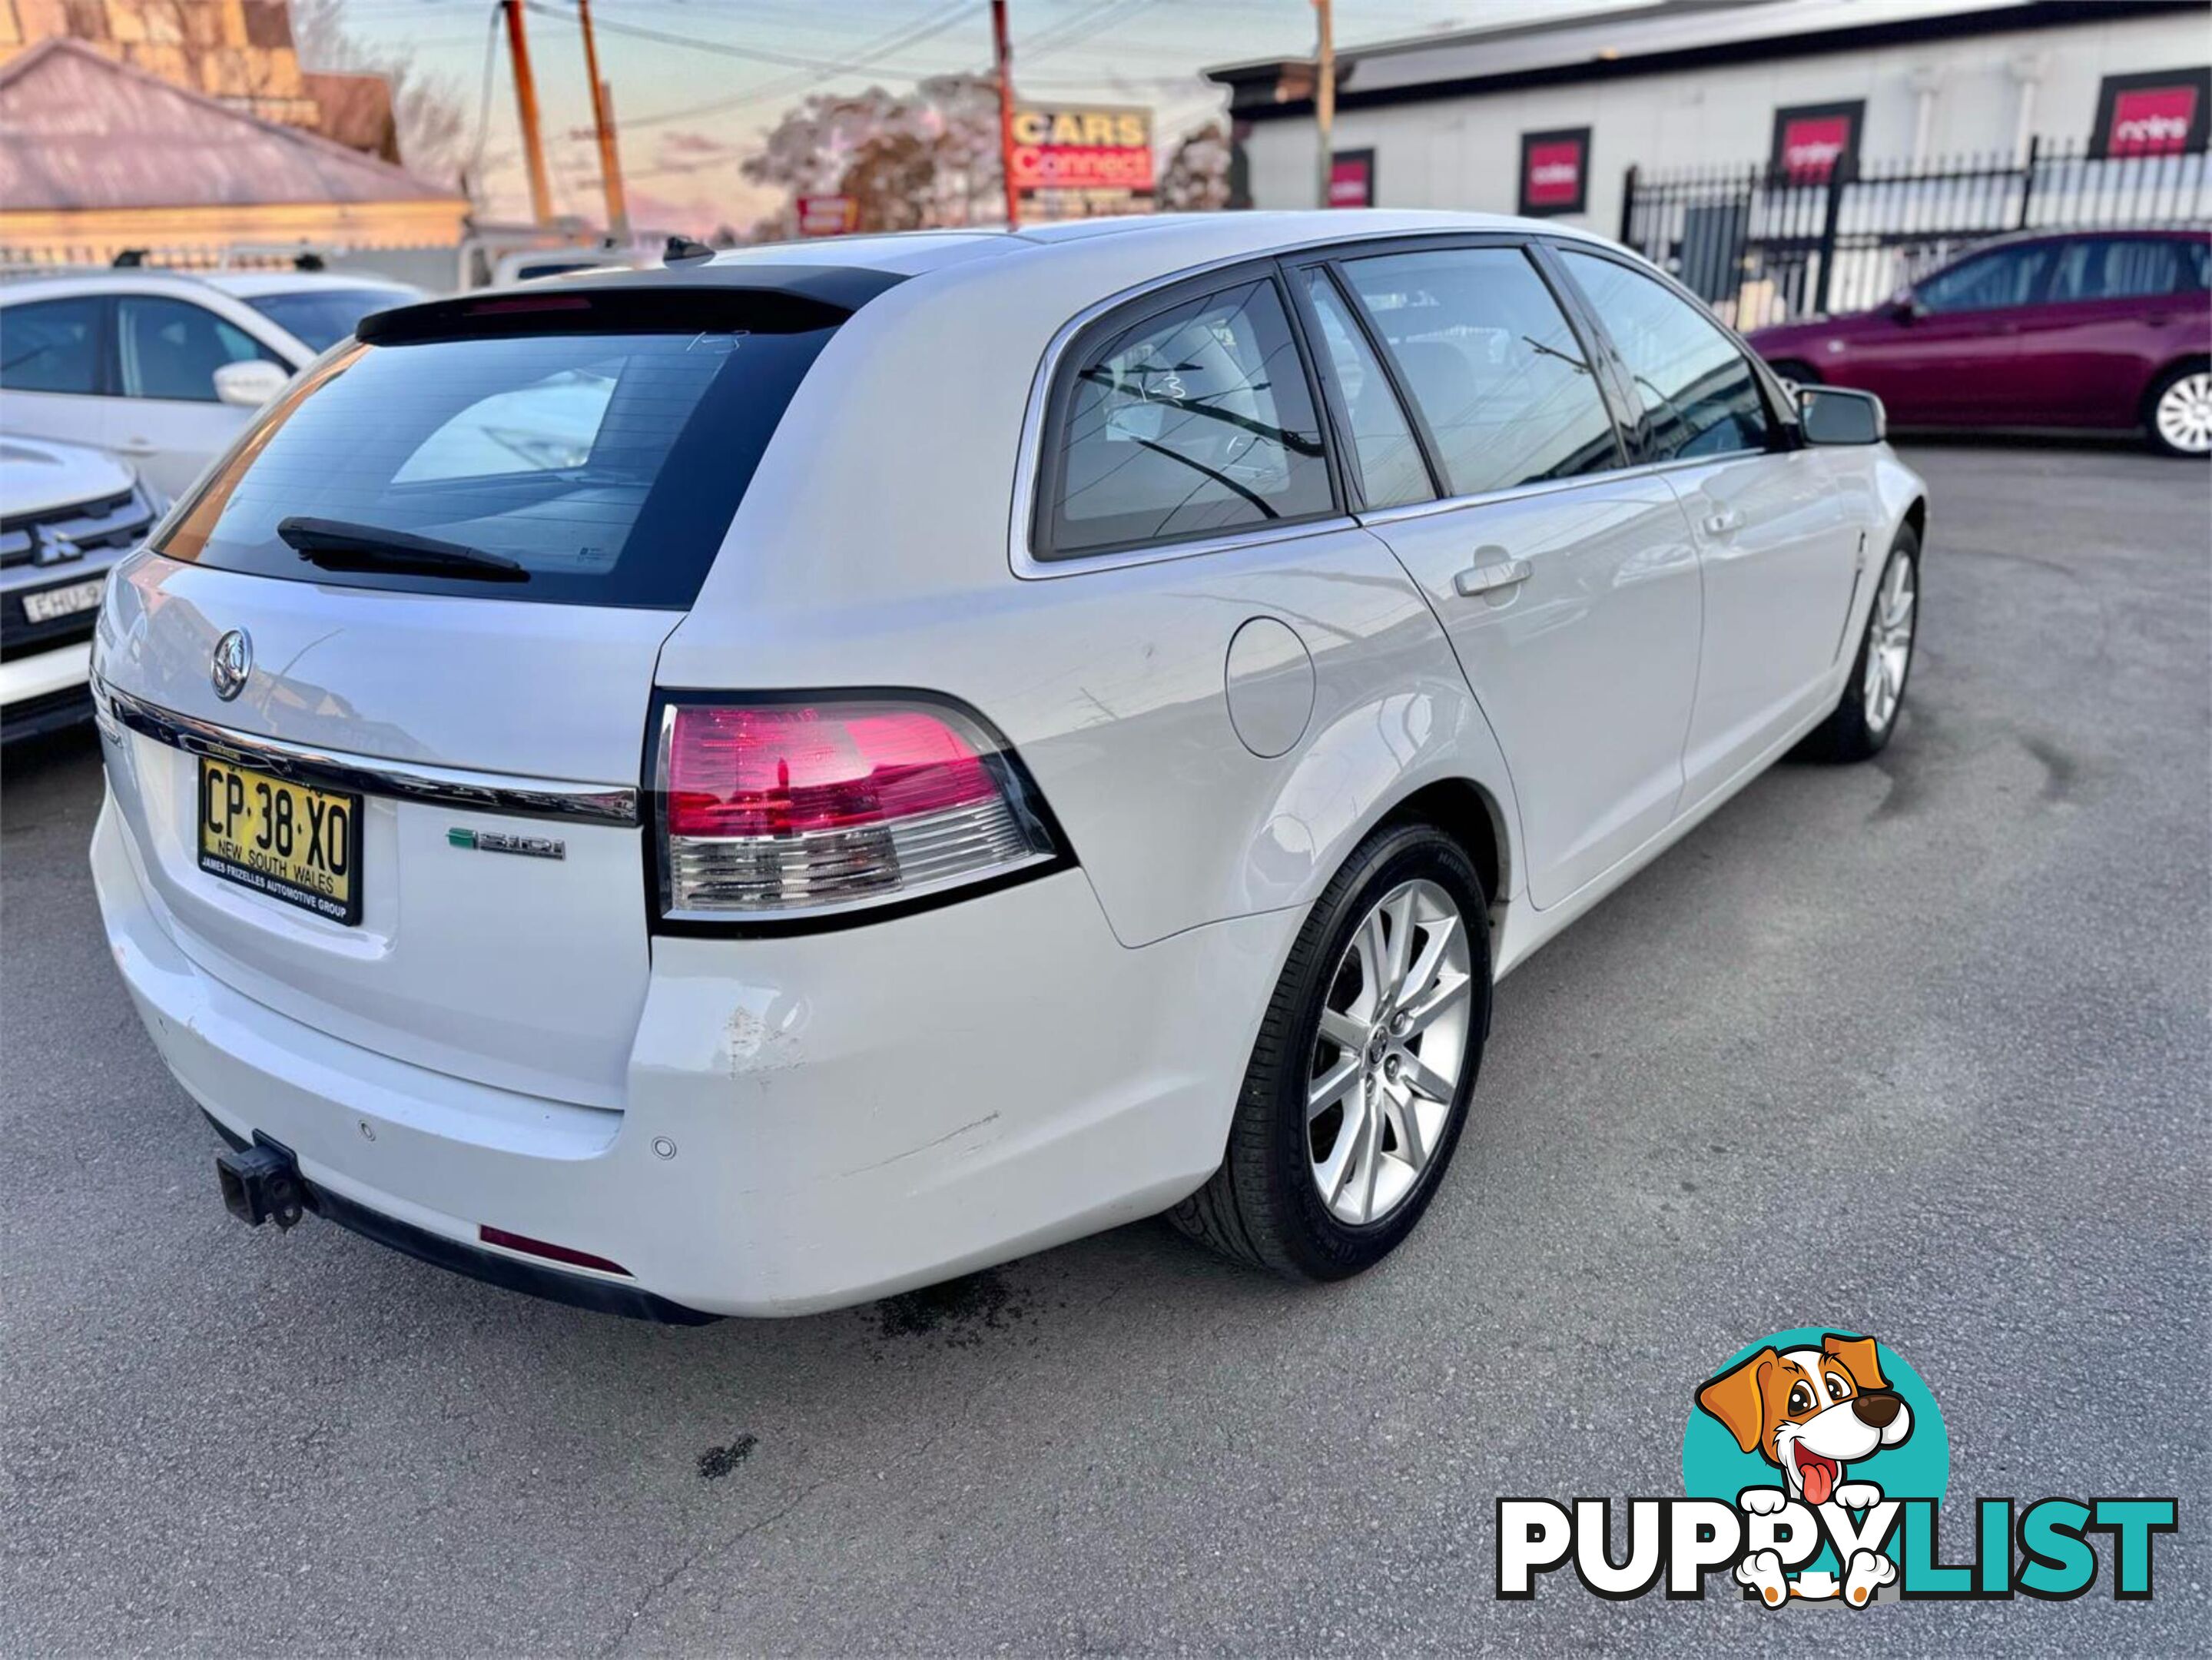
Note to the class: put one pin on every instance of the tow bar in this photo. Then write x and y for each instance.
(260, 1183)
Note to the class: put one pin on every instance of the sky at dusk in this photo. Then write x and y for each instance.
(696, 83)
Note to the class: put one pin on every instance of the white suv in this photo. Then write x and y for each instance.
(747, 787)
(164, 367)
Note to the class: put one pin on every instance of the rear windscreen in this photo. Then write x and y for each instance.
(607, 465)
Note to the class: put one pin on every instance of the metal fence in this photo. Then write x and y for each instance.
(1762, 247)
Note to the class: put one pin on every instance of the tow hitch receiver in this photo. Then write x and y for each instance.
(260, 1183)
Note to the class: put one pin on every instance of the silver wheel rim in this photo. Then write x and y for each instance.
(1393, 1044)
(2184, 413)
(1889, 644)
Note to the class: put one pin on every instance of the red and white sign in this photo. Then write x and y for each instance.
(1555, 171)
(2151, 121)
(828, 216)
(1813, 145)
(1352, 178)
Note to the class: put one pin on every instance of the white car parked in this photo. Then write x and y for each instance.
(164, 367)
(67, 515)
(982, 738)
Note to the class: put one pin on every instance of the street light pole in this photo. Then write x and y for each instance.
(602, 120)
(1324, 101)
(525, 111)
(1005, 54)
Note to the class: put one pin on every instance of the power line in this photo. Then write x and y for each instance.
(1074, 34)
(483, 101)
(697, 43)
(869, 57)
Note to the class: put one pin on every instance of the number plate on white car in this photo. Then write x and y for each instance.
(291, 842)
(49, 603)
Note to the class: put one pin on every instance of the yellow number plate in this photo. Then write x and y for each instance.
(294, 843)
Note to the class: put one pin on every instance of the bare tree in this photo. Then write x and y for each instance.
(907, 161)
(428, 111)
(1197, 176)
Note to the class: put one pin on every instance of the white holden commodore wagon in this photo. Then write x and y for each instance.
(745, 787)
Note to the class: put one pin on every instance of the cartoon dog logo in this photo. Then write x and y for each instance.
(1809, 1412)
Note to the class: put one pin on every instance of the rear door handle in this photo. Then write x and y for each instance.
(134, 446)
(1490, 579)
(1727, 522)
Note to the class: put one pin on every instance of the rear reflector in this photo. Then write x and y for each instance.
(788, 809)
(523, 1243)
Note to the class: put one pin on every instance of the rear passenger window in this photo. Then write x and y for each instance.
(51, 345)
(1196, 421)
(2126, 268)
(1485, 352)
(1699, 392)
(1391, 471)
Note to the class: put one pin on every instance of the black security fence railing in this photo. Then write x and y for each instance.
(1763, 247)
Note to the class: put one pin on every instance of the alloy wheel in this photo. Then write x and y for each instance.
(1387, 1065)
(2184, 415)
(1889, 643)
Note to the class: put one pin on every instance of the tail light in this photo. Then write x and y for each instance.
(785, 810)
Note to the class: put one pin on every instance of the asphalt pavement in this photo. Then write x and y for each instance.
(1919, 1048)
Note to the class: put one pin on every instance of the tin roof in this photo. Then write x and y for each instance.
(81, 132)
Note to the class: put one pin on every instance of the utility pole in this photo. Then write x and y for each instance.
(1324, 102)
(603, 119)
(1005, 60)
(525, 110)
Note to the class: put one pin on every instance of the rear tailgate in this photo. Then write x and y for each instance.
(376, 696)
(516, 968)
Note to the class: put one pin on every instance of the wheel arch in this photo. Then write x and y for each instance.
(1473, 816)
(2179, 363)
(1916, 520)
(1424, 752)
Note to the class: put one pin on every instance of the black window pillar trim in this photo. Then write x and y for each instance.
(1325, 263)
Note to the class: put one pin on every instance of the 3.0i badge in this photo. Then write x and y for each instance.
(530, 847)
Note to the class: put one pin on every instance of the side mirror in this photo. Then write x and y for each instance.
(249, 385)
(1903, 309)
(1837, 415)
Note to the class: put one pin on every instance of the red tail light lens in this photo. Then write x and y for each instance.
(782, 808)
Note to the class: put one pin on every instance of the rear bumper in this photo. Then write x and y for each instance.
(809, 1121)
(601, 1293)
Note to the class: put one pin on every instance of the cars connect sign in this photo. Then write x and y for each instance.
(1070, 162)
(2159, 114)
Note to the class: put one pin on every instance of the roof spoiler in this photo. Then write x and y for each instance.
(762, 299)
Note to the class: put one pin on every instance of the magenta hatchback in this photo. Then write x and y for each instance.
(2105, 329)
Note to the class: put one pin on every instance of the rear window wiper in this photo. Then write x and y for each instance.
(338, 544)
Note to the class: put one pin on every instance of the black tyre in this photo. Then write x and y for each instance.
(2178, 410)
(1874, 695)
(1791, 368)
(1358, 1084)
